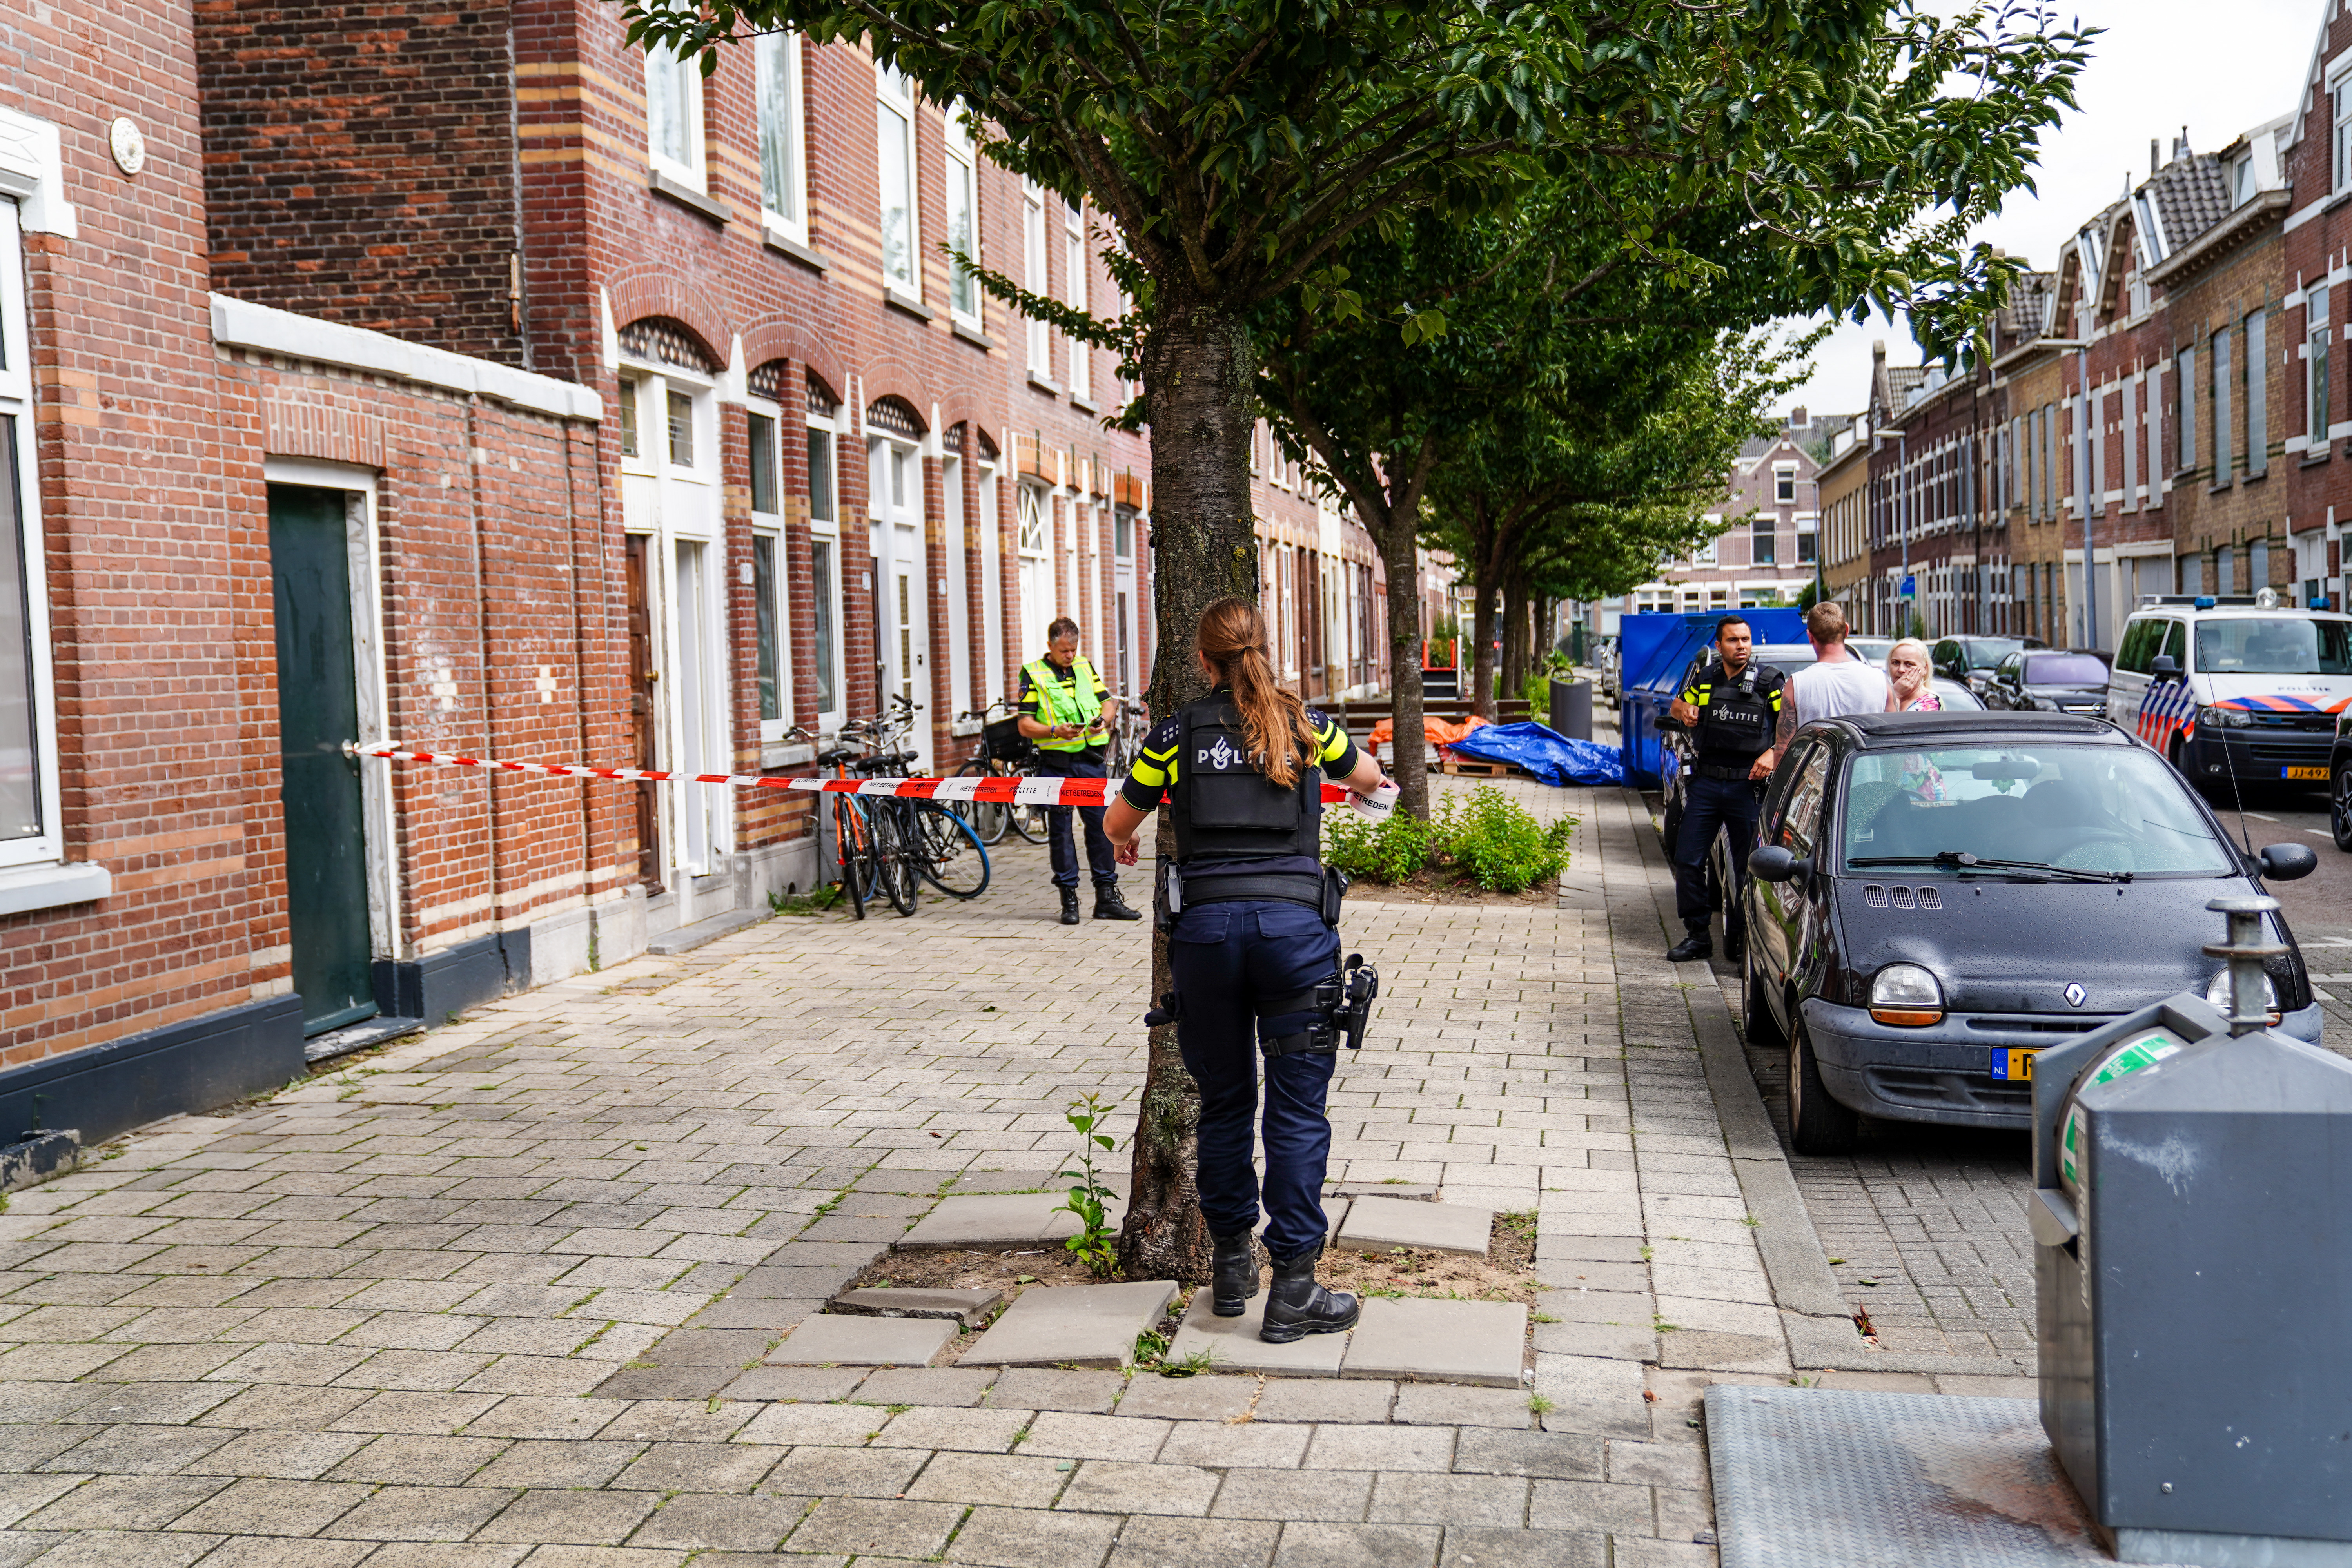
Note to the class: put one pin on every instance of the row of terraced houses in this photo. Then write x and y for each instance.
(454, 372)
(2164, 404)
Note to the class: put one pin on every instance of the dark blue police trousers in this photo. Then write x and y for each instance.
(1225, 957)
(1732, 806)
(1102, 860)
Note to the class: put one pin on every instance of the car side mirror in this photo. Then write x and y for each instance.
(2285, 862)
(2164, 666)
(1774, 864)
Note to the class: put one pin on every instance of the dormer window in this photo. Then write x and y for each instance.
(2241, 180)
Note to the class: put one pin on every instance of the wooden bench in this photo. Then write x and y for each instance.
(1359, 716)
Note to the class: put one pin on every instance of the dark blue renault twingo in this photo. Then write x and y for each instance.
(1936, 897)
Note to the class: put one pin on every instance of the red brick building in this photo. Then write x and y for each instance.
(461, 376)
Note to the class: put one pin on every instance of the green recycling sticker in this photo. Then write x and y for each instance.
(2141, 1054)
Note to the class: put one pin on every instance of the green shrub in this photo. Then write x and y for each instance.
(1389, 850)
(1496, 842)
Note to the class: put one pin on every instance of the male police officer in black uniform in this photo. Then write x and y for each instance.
(1254, 955)
(1732, 709)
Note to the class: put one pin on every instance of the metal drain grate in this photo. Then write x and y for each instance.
(1808, 1477)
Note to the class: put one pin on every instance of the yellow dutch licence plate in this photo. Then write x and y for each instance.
(2319, 776)
(2014, 1065)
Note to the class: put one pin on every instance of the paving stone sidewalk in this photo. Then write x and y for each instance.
(509, 1290)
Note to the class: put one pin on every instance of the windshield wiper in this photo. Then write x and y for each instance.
(1963, 862)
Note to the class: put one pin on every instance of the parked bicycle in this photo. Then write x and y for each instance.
(1126, 740)
(934, 838)
(859, 847)
(1004, 754)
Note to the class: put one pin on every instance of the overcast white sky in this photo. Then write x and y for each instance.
(2217, 68)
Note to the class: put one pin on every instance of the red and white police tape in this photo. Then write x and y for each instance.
(1001, 791)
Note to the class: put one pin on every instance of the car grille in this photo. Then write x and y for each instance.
(1932, 1090)
(2309, 752)
(2324, 723)
(2032, 1024)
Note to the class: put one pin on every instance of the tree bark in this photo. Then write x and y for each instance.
(1399, 554)
(1515, 635)
(1198, 368)
(1485, 573)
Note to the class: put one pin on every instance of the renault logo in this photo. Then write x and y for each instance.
(2074, 994)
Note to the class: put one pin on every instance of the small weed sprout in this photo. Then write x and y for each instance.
(1088, 1194)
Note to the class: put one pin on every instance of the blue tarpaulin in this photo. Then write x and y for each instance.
(1545, 753)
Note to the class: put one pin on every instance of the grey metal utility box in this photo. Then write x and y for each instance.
(2192, 1221)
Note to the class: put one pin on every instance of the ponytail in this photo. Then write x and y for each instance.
(1274, 722)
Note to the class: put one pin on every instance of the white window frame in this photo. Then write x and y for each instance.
(827, 531)
(46, 847)
(2316, 393)
(784, 134)
(770, 526)
(2339, 135)
(1034, 275)
(687, 76)
(1784, 478)
(1074, 262)
(963, 170)
(894, 97)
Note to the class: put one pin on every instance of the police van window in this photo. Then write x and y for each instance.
(2176, 643)
(2273, 645)
(1802, 828)
(2141, 640)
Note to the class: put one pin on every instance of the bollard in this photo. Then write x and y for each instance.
(2192, 1223)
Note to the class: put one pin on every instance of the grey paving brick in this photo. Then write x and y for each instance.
(553, 1463)
(860, 1341)
(286, 1455)
(939, 1386)
(1021, 1481)
(130, 1549)
(421, 1514)
(846, 1472)
(1303, 1400)
(970, 1431)
(141, 1451)
(1059, 1433)
(425, 1413)
(1149, 1543)
(259, 1507)
(792, 1424)
(1560, 1456)
(286, 1551)
(1036, 1388)
(1217, 1444)
(525, 1415)
(21, 1494)
(814, 1383)
(670, 1382)
(677, 1421)
(1357, 1546)
(1204, 1398)
(570, 1518)
(1475, 1548)
(872, 1526)
(712, 1521)
(1329, 1495)
(1450, 1405)
(124, 1503)
(1381, 1448)
(1104, 1486)
(701, 1467)
(1027, 1538)
(1417, 1497)
(417, 1460)
(1589, 1505)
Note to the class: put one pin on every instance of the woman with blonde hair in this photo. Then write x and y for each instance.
(1253, 934)
(1910, 678)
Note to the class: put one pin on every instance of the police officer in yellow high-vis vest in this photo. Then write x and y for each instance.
(1067, 711)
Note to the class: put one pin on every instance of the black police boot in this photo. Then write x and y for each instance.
(1734, 946)
(1233, 1277)
(1695, 945)
(1069, 906)
(1109, 906)
(1297, 1306)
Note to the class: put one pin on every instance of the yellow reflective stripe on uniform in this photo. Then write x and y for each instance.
(1334, 742)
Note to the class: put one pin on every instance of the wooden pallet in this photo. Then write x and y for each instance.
(1477, 768)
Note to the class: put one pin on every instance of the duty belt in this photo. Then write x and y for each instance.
(1724, 770)
(1295, 886)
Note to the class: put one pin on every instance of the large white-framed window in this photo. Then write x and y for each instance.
(824, 573)
(1032, 275)
(674, 117)
(31, 833)
(772, 665)
(963, 218)
(2315, 390)
(783, 156)
(1784, 484)
(2339, 104)
(991, 577)
(893, 136)
(1073, 282)
(1034, 542)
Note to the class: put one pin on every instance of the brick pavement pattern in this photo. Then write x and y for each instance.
(509, 1290)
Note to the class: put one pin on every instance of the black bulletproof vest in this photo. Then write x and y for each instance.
(1223, 808)
(1737, 725)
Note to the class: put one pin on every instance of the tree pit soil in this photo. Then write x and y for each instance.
(1443, 886)
(1507, 1272)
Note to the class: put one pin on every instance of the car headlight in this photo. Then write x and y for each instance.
(2227, 718)
(1906, 994)
(2217, 994)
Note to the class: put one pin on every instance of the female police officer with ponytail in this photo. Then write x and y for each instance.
(1242, 769)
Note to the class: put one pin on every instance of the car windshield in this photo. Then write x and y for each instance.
(1983, 653)
(2065, 669)
(2281, 644)
(2086, 808)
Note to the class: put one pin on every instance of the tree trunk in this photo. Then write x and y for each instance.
(1516, 636)
(1481, 675)
(1198, 369)
(1399, 554)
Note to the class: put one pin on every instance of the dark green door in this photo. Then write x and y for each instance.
(317, 710)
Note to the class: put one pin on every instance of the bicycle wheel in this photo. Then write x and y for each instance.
(987, 817)
(856, 850)
(894, 862)
(1027, 821)
(952, 858)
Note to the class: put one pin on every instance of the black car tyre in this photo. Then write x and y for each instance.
(1817, 1124)
(2340, 809)
(1756, 1021)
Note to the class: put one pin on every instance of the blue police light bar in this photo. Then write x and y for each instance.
(2205, 601)
(2318, 602)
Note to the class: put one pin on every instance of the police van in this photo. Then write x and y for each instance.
(2235, 688)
